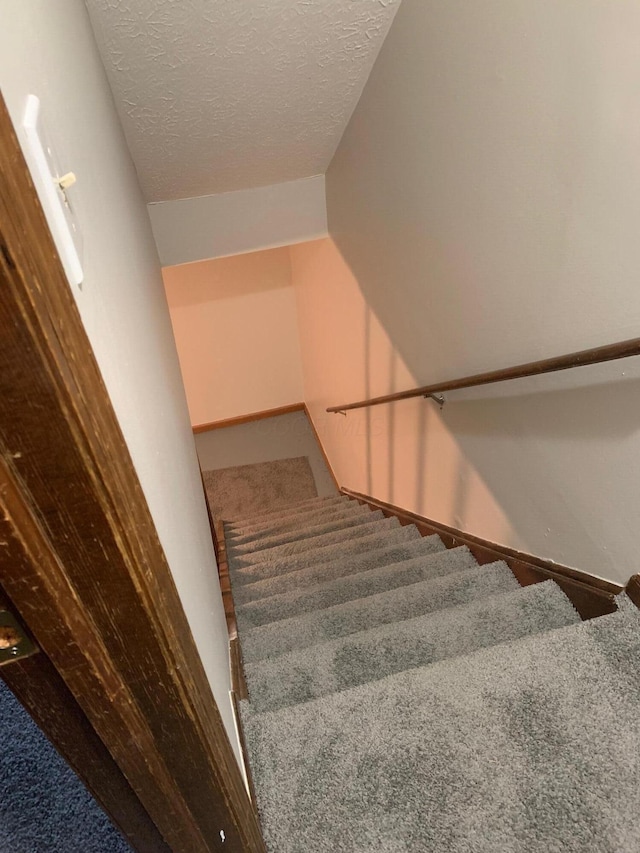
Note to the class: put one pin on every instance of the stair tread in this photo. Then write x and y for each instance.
(402, 603)
(339, 553)
(532, 750)
(296, 521)
(395, 546)
(294, 529)
(360, 584)
(286, 510)
(372, 654)
(274, 548)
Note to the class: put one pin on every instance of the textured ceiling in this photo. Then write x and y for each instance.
(221, 95)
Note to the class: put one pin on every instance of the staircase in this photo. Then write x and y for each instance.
(403, 698)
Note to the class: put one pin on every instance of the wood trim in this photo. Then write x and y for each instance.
(321, 446)
(592, 596)
(238, 681)
(633, 590)
(246, 419)
(245, 753)
(212, 524)
(596, 355)
(94, 586)
(239, 687)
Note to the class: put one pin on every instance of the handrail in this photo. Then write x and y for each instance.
(610, 352)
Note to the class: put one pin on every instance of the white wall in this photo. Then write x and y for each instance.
(47, 49)
(214, 226)
(486, 201)
(236, 330)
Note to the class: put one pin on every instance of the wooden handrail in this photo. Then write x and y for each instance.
(610, 352)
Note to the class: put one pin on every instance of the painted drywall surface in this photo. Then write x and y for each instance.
(548, 465)
(47, 49)
(216, 97)
(486, 196)
(236, 329)
(280, 437)
(214, 226)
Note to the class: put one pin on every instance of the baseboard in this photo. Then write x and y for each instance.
(321, 446)
(245, 754)
(247, 419)
(238, 680)
(633, 590)
(592, 596)
(239, 690)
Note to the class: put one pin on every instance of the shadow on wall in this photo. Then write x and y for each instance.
(535, 464)
(486, 195)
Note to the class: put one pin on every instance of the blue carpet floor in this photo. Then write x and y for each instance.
(44, 807)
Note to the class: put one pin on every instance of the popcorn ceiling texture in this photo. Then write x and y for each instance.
(217, 96)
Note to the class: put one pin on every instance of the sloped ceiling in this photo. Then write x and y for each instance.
(221, 95)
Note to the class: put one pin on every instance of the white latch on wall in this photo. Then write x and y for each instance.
(52, 190)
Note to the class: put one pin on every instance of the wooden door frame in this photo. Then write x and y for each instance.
(94, 587)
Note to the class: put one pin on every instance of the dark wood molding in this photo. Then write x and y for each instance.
(238, 681)
(245, 753)
(246, 419)
(633, 590)
(321, 446)
(93, 585)
(592, 596)
(596, 355)
(239, 690)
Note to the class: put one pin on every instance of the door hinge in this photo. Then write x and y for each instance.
(15, 643)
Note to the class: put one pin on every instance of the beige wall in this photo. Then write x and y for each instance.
(486, 201)
(235, 325)
(47, 49)
(404, 453)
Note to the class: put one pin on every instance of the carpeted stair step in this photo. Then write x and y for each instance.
(395, 605)
(362, 528)
(297, 521)
(246, 572)
(530, 746)
(396, 545)
(285, 510)
(269, 547)
(287, 507)
(359, 585)
(373, 654)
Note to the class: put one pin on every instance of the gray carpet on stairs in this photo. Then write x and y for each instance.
(343, 530)
(299, 508)
(356, 559)
(377, 652)
(356, 553)
(404, 602)
(238, 491)
(295, 522)
(527, 747)
(288, 531)
(403, 698)
(358, 585)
